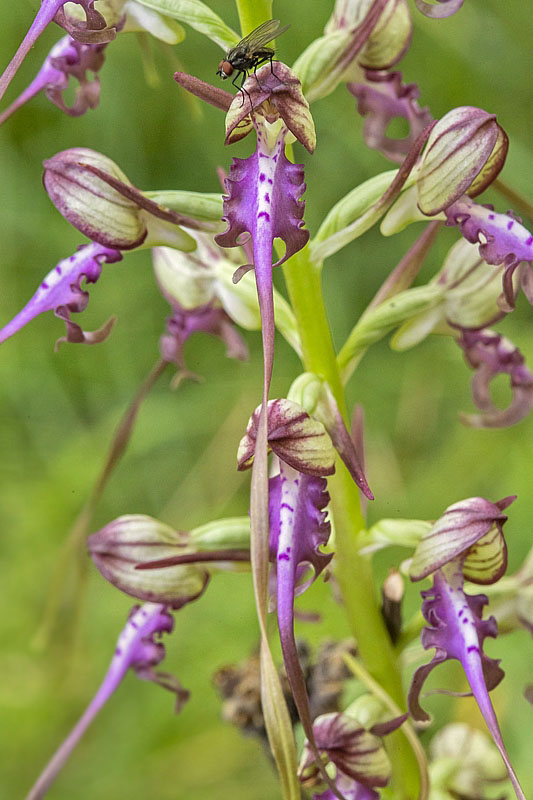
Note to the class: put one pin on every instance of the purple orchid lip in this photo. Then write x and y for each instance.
(94, 31)
(61, 292)
(491, 354)
(138, 649)
(68, 58)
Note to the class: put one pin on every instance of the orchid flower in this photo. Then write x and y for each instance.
(95, 196)
(502, 240)
(465, 543)
(93, 30)
(203, 297)
(62, 293)
(354, 750)
(491, 354)
(68, 58)
(138, 649)
(151, 561)
(382, 97)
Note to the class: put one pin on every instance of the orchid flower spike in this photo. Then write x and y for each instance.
(467, 542)
(138, 649)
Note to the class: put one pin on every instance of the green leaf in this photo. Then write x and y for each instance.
(198, 16)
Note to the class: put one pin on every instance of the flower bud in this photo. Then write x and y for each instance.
(306, 390)
(465, 152)
(136, 539)
(358, 35)
(95, 196)
(390, 38)
(295, 437)
(472, 530)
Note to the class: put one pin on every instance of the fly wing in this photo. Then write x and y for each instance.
(261, 36)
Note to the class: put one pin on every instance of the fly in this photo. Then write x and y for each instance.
(250, 53)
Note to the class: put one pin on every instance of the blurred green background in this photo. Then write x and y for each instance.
(58, 410)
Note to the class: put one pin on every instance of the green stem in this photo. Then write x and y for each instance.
(252, 13)
(353, 571)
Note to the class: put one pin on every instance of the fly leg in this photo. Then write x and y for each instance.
(241, 88)
(272, 70)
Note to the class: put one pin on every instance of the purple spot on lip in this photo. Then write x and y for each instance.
(270, 181)
(118, 651)
(510, 224)
(275, 158)
(267, 198)
(262, 177)
(265, 215)
(472, 649)
(465, 621)
(44, 285)
(58, 269)
(283, 557)
(286, 505)
(491, 216)
(460, 614)
(529, 241)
